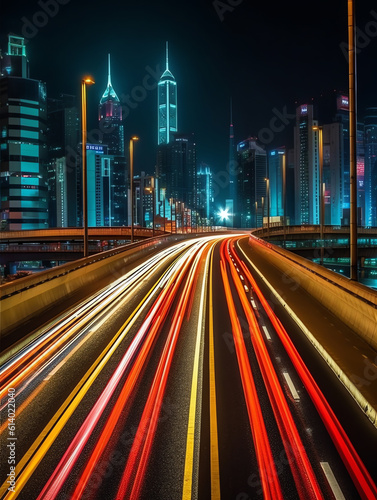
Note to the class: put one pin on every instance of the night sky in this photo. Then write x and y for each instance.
(265, 55)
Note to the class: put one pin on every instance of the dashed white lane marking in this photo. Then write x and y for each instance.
(291, 386)
(266, 332)
(334, 485)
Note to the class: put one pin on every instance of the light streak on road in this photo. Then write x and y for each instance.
(43, 351)
(304, 477)
(194, 420)
(357, 470)
(182, 300)
(26, 466)
(153, 321)
(267, 470)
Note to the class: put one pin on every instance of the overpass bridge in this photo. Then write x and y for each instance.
(64, 244)
(306, 242)
(302, 240)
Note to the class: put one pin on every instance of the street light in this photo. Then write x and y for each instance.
(353, 138)
(132, 140)
(321, 190)
(84, 82)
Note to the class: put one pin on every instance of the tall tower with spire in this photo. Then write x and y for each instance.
(167, 104)
(110, 116)
(232, 169)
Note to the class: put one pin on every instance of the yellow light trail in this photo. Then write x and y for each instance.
(194, 419)
(27, 465)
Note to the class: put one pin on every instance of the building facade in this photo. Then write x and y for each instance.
(370, 172)
(204, 204)
(167, 105)
(275, 175)
(110, 118)
(307, 181)
(63, 137)
(23, 151)
(251, 184)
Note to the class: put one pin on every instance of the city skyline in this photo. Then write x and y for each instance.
(227, 54)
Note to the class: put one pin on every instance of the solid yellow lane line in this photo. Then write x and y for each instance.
(29, 462)
(194, 416)
(214, 445)
(192, 420)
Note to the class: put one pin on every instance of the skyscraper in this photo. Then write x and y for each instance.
(110, 116)
(251, 184)
(23, 179)
(106, 194)
(275, 174)
(204, 193)
(370, 172)
(306, 166)
(167, 104)
(111, 163)
(231, 201)
(63, 136)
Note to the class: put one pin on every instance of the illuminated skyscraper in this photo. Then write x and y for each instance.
(63, 137)
(275, 174)
(204, 202)
(251, 184)
(232, 169)
(111, 176)
(167, 104)
(110, 116)
(370, 172)
(306, 166)
(23, 149)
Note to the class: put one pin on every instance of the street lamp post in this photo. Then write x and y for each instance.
(353, 138)
(321, 191)
(84, 82)
(284, 174)
(132, 140)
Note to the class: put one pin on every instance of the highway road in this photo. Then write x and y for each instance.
(180, 380)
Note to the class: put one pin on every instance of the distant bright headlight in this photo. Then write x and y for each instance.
(223, 214)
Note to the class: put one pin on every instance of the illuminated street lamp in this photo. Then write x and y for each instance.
(84, 82)
(132, 140)
(322, 190)
(223, 214)
(353, 137)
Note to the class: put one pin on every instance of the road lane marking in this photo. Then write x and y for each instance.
(291, 386)
(214, 445)
(266, 332)
(334, 485)
(43, 442)
(192, 452)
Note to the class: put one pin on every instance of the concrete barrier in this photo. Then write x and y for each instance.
(27, 298)
(355, 303)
